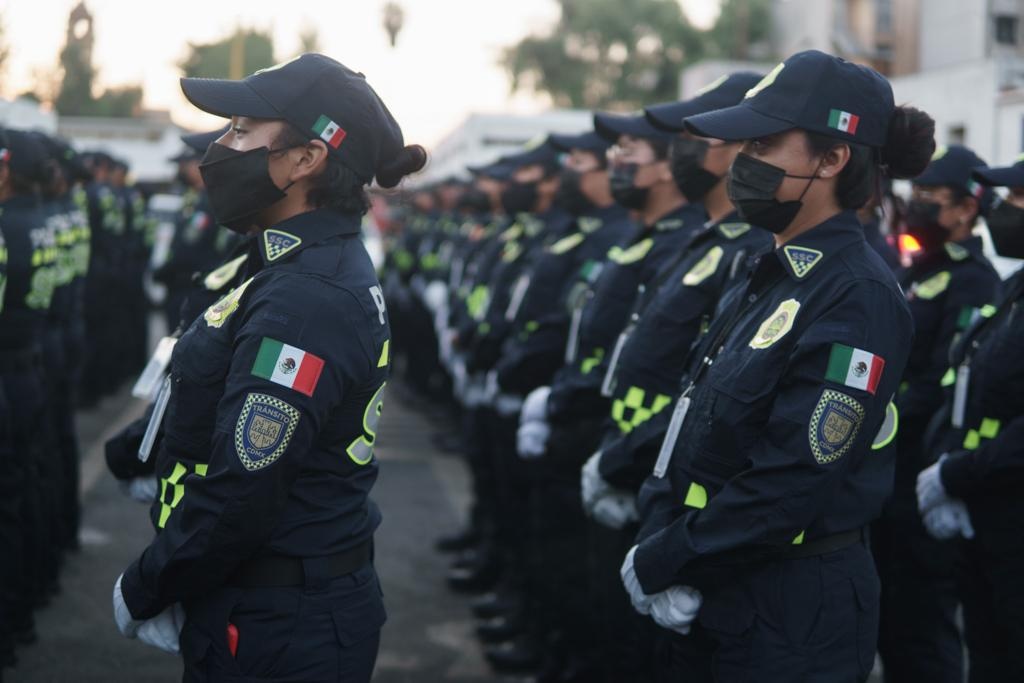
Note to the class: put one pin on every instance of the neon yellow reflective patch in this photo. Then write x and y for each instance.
(385, 354)
(511, 252)
(940, 151)
(635, 253)
(766, 81)
(972, 440)
(802, 259)
(202, 469)
(669, 224)
(988, 310)
(956, 252)
(989, 428)
(696, 496)
(588, 364)
(777, 325)
(566, 244)
(514, 232)
(890, 426)
(589, 225)
(933, 286)
(734, 230)
(712, 85)
(361, 450)
(949, 379)
(216, 279)
(799, 539)
(217, 314)
(704, 268)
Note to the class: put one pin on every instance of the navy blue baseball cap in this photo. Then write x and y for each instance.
(590, 142)
(812, 91)
(953, 166)
(27, 155)
(496, 170)
(719, 94)
(1002, 176)
(543, 153)
(321, 98)
(612, 126)
(197, 143)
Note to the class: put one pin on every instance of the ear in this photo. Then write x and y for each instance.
(970, 209)
(311, 160)
(834, 161)
(664, 171)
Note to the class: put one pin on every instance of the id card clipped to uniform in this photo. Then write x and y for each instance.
(672, 435)
(149, 381)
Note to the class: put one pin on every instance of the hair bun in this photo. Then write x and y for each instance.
(410, 159)
(909, 143)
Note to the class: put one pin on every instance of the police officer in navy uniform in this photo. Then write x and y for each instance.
(974, 490)
(752, 538)
(642, 380)
(265, 527)
(947, 280)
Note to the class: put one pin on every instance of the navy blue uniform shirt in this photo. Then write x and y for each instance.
(777, 444)
(32, 262)
(268, 437)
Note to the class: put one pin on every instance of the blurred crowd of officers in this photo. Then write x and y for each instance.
(76, 240)
(555, 299)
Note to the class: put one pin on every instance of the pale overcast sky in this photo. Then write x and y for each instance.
(443, 68)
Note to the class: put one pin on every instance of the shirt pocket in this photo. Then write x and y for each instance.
(198, 370)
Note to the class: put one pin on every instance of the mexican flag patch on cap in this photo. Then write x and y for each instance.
(329, 131)
(287, 365)
(843, 121)
(855, 368)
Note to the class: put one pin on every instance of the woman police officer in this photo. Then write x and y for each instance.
(753, 515)
(264, 525)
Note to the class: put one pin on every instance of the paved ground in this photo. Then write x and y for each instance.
(428, 636)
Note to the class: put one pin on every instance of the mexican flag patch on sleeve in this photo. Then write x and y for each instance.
(854, 368)
(288, 366)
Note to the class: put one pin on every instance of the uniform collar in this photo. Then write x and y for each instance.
(289, 237)
(964, 249)
(803, 255)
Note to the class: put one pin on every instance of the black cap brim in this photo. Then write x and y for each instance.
(1007, 176)
(670, 116)
(612, 126)
(590, 141)
(736, 123)
(227, 98)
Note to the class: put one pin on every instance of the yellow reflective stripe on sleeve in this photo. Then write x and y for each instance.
(799, 539)
(177, 493)
(989, 428)
(384, 354)
(890, 427)
(696, 496)
(988, 310)
(949, 379)
(588, 364)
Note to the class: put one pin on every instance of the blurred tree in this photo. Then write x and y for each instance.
(123, 101)
(236, 56)
(607, 54)
(742, 31)
(74, 98)
(309, 40)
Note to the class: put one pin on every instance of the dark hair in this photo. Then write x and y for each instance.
(338, 187)
(908, 149)
(660, 146)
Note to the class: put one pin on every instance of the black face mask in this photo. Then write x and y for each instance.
(687, 160)
(922, 223)
(752, 186)
(239, 184)
(519, 198)
(625, 193)
(1006, 225)
(570, 195)
(474, 202)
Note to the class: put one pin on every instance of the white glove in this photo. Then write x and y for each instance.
(676, 608)
(163, 630)
(140, 489)
(930, 491)
(615, 509)
(535, 407)
(641, 601)
(435, 295)
(946, 520)
(126, 623)
(532, 439)
(592, 484)
(507, 405)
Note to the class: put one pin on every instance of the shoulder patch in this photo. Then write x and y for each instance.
(277, 243)
(733, 230)
(777, 325)
(589, 225)
(566, 244)
(834, 425)
(704, 268)
(264, 429)
(635, 253)
(802, 259)
(513, 232)
(216, 279)
(932, 287)
(288, 366)
(956, 252)
(219, 312)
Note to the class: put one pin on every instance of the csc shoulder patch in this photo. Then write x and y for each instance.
(264, 430)
(802, 259)
(834, 425)
(277, 243)
(733, 230)
(704, 268)
(218, 313)
(777, 325)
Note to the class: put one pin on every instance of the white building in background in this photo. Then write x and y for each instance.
(482, 138)
(146, 142)
(26, 114)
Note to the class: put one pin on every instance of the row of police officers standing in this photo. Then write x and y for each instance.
(718, 427)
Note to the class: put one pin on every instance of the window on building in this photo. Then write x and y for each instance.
(957, 134)
(1006, 29)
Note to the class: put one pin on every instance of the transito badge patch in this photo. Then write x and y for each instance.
(264, 430)
(834, 425)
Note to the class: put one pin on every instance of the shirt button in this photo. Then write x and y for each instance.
(752, 298)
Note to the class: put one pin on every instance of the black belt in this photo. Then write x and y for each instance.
(281, 571)
(812, 548)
